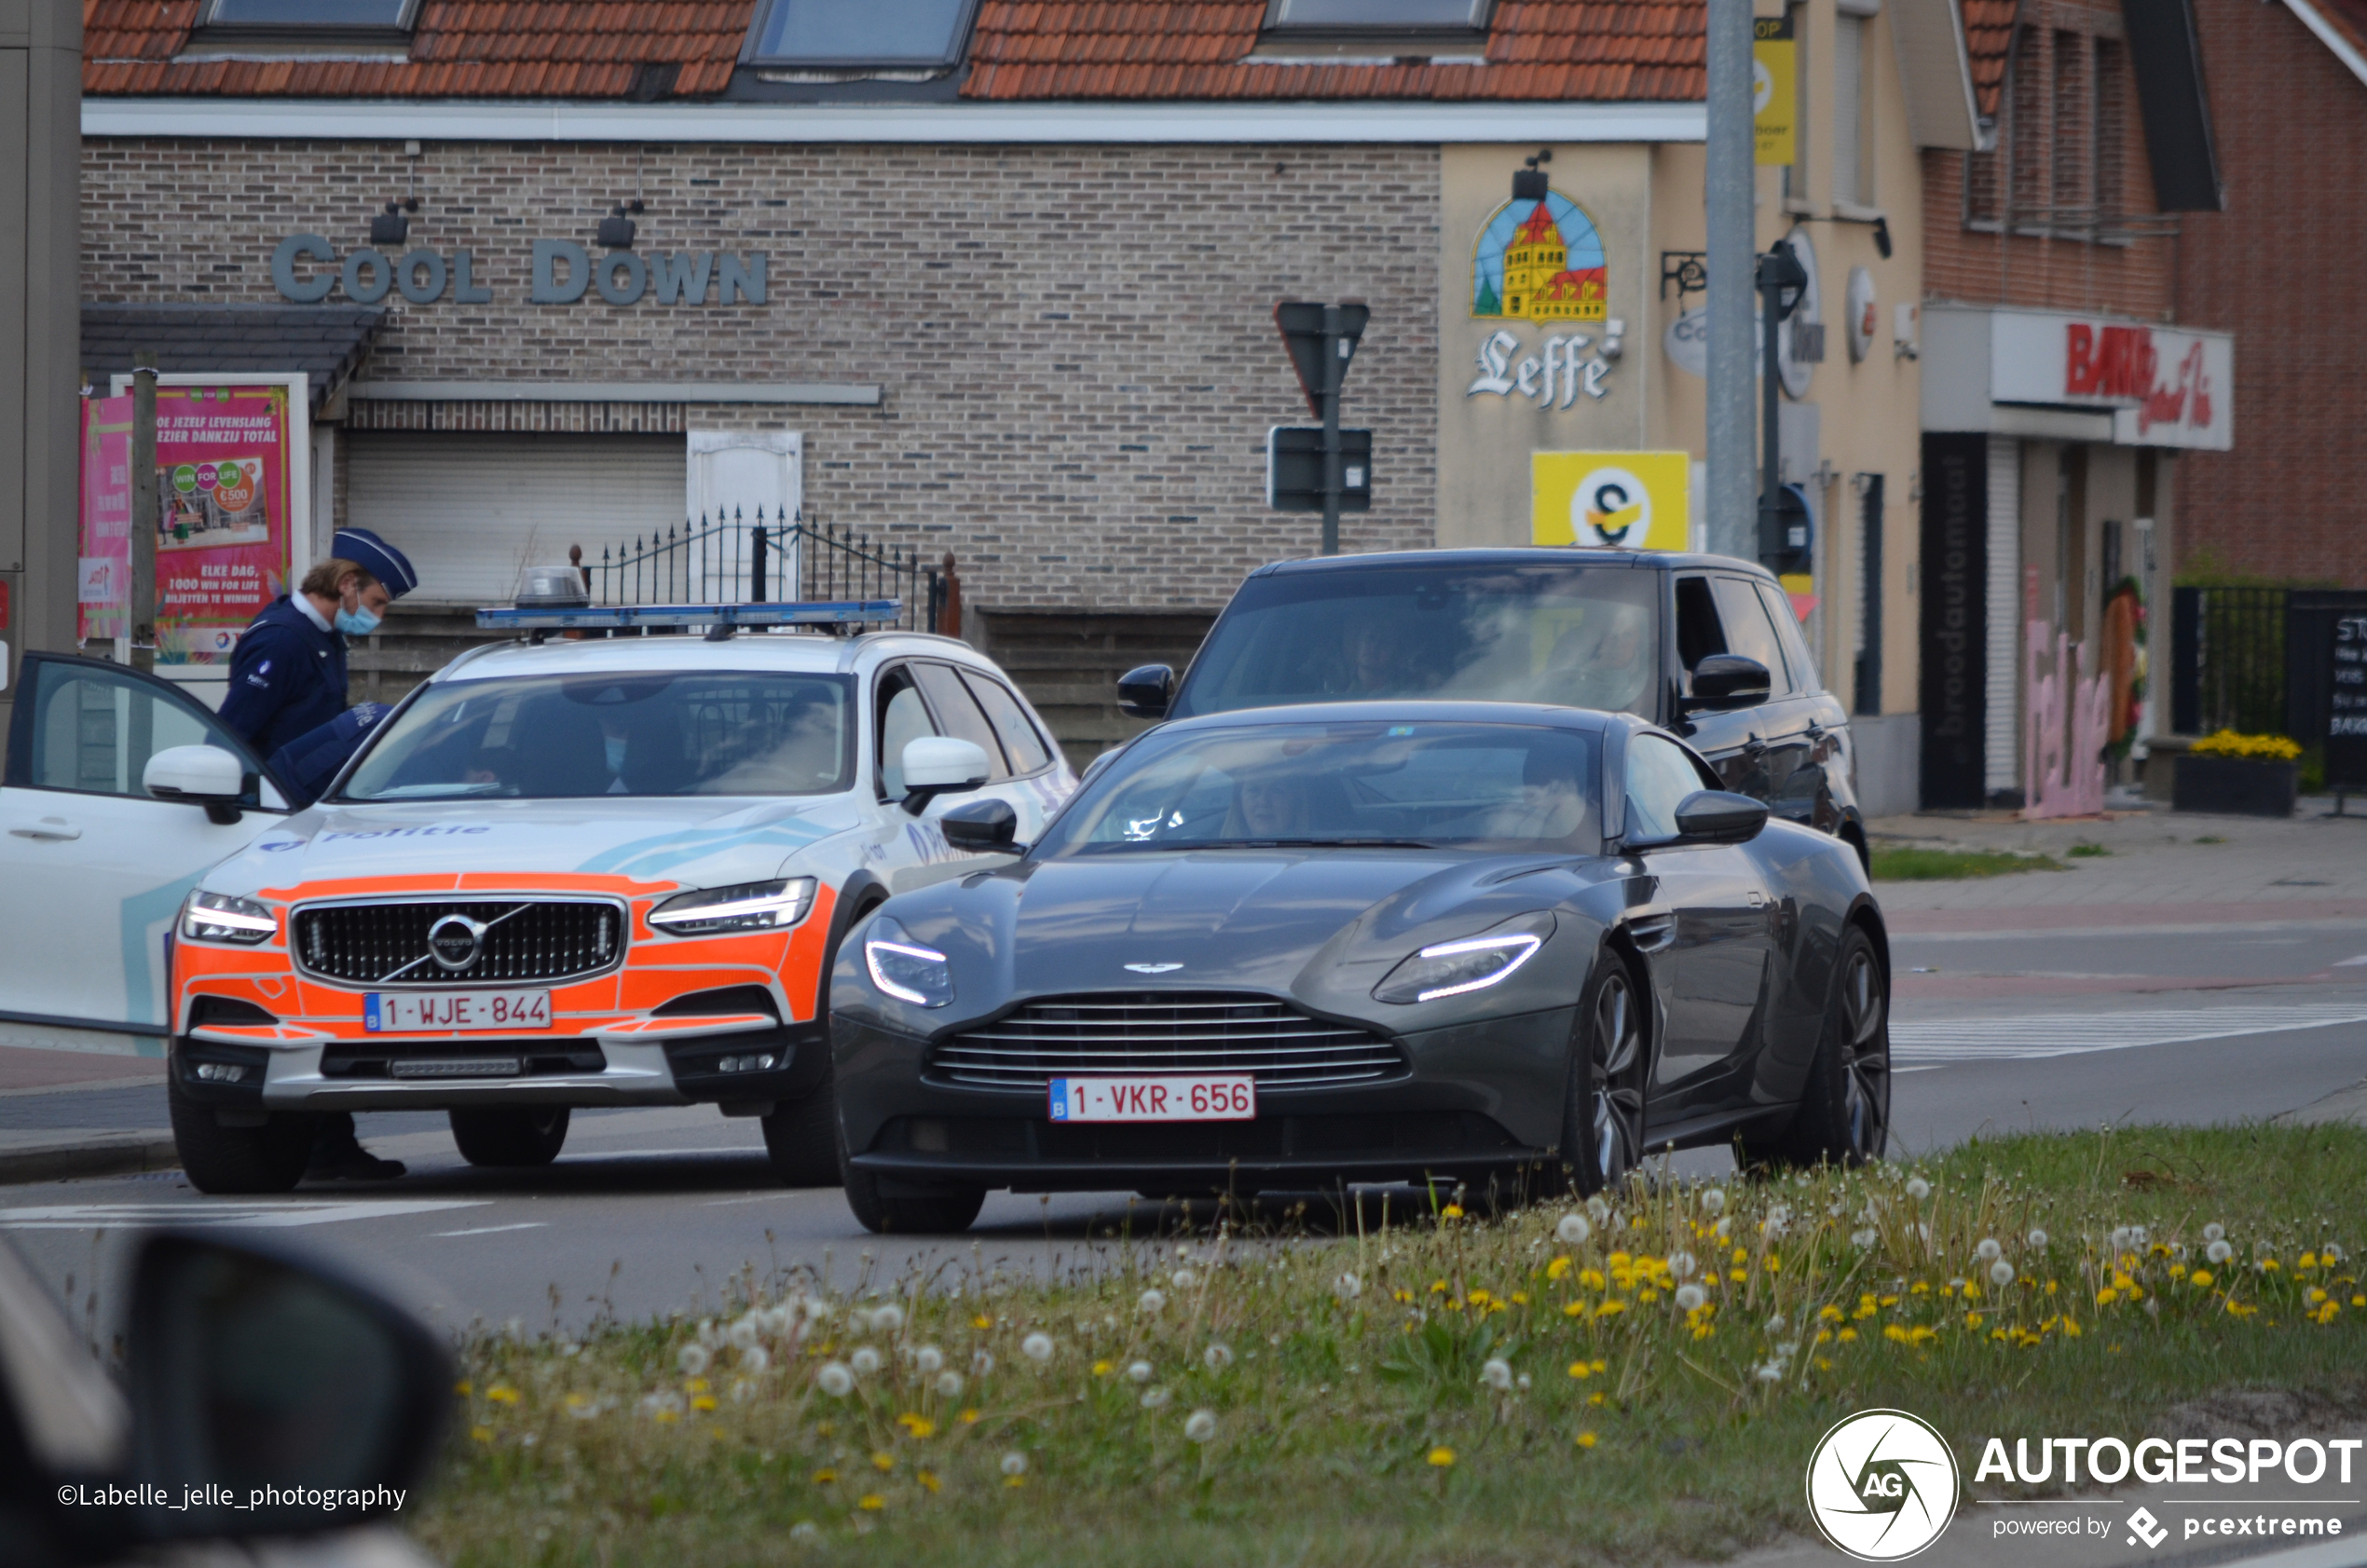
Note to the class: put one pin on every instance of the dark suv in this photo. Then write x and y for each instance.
(1704, 645)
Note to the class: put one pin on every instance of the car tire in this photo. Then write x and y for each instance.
(511, 1135)
(913, 1212)
(271, 1158)
(1844, 1108)
(1603, 1107)
(801, 1139)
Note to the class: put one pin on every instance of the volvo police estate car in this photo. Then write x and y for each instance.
(580, 873)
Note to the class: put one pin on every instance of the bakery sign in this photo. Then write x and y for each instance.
(2164, 386)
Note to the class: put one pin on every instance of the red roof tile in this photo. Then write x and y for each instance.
(1989, 34)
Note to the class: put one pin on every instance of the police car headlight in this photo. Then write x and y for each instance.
(749, 906)
(904, 969)
(216, 916)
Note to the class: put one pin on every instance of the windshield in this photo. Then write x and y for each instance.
(561, 737)
(1513, 786)
(1578, 636)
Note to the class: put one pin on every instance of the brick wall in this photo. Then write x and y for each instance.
(2282, 268)
(1075, 343)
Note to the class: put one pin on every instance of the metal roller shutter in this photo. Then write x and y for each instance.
(470, 510)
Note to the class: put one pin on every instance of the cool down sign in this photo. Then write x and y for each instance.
(564, 271)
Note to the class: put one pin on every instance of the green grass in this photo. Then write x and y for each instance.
(1337, 1401)
(1916, 864)
(2088, 851)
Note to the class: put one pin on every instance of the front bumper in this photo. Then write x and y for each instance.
(1477, 1098)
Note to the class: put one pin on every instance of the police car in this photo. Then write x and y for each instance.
(603, 869)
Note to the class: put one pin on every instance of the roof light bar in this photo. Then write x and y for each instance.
(831, 612)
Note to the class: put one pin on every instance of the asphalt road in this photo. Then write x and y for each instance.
(650, 1211)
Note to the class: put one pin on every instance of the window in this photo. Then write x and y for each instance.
(844, 34)
(1028, 751)
(1749, 632)
(1698, 633)
(96, 730)
(2108, 189)
(958, 715)
(1373, 16)
(336, 15)
(1852, 135)
(1796, 183)
(1658, 778)
(904, 719)
(2073, 136)
(2060, 164)
(1779, 611)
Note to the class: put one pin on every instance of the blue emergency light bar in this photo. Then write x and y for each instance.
(571, 617)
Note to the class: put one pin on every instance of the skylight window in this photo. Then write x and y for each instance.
(375, 16)
(837, 35)
(1377, 16)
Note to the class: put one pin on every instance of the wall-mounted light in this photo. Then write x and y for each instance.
(616, 229)
(390, 228)
(1529, 184)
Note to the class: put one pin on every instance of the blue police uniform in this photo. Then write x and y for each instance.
(287, 676)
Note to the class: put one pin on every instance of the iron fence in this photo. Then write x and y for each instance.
(758, 560)
(2230, 667)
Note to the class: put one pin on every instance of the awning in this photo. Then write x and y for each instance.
(327, 342)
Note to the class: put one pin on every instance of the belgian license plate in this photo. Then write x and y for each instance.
(1229, 1099)
(421, 1012)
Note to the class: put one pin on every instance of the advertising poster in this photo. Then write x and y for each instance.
(224, 523)
(102, 563)
(1610, 500)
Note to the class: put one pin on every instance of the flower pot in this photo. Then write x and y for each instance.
(2235, 786)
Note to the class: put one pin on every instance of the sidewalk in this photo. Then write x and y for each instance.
(68, 1113)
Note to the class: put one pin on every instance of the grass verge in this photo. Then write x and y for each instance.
(1918, 863)
(1635, 1380)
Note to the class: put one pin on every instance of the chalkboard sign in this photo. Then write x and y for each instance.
(2346, 703)
(2326, 679)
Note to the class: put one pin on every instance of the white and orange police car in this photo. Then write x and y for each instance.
(600, 872)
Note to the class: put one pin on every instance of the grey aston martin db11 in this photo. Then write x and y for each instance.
(1367, 942)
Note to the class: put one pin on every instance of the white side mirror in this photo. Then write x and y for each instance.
(936, 765)
(204, 776)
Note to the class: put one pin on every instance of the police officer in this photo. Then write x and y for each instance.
(288, 678)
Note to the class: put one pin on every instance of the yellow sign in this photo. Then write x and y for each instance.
(1775, 93)
(1611, 501)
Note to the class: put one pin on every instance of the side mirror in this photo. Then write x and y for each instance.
(205, 776)
(936, 765)
(983, 828)
(1716, 816)
(1729, 680)
(1144, 692)
(253, 1375)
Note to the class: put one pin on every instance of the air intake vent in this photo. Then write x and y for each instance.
(1163, 1031)
(459, 942)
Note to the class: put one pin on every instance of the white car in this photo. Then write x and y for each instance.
(598, 873)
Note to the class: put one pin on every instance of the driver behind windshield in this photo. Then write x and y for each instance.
(1605, 663)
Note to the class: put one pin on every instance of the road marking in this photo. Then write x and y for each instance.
(496, 1230)
(235, 1216)
(2347, 963)
(2027, 1039)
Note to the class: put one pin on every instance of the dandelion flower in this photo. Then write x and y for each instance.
(1599, 1209)
(2000, 1273)
(1777, 1323)
(1037, 1347)
(2218, 1252)
(1864, 1239)
(805, 1533)
(982, 1363)
(1586, 1440)
(1348, 1288)
(2038, 1238)
(1015, 1464)
(1200, 1425)
(1691, 1298)
(835, 1380)
(1682, 1264)
(1917, 1189)
(887, 1319)
(2213, 1230)
(1183, 1279)
(1152, 1300)
(1713, 1201)
(2330, 1253)
(745, 1333)
(755, 1359)
(693, 1359)
(1989, 1251)
(1496, 1373)
(1771, 1371)
(864, 1361)
(1441, 1457)
(1218, 1357)
(1138, 1372)
(949, 1386)
(1154, 1398)
(1573, 1230)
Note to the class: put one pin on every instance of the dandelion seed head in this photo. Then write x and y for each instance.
(1037, 1347)
(1015, 1464)
(1152, 1300)
(1200, 1425)
(2213, 1230)
(2000, 1273)
(1183, 1279)
(1139, 1371)
(835, 1380)
(928, 1360)
(1599, 1209)
(805, 1533)
(1683, 1265)
(1348, 1288)
(745, 1333)
(1218, 1357)
(1917, 1189)
(2332, 1253)
(1496, 1373)
(693, 1359)
(755, 1359)
(2037, 1238)
(1691, 1298)
(887, 1319)
(982, 1363)
(2219, 1251)
(1713, 1201)
(1989, 1251)
(864, 1361)
(1153, 1398)
(1865, 1239)
(1573, 1230)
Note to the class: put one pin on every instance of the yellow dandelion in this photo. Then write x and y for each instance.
(1610, 1309)
(1972, 1320)
(824, 1476)
(1480, 1297)
(464, 1389)
(1557, 1268)
(929, 1480)
(1581, 1369)
(1590, 1278)
(2107, 1296)
(883, 1463)
(695, 1386)
(871, 1503)
(969, 1418)
(981, 1321)
(480, 1434)
(1586, 1440)
(703, 1402)
(1452, 1211)
(502, 1394)
(1846, 1335)
(1438, 1287)
(1442, 1457)
(666, 1418)
(1015, 1481)
(1595, 1397)
(1738, 1274)
(919, 1426)
(1831, 1314)
(1104, 1369)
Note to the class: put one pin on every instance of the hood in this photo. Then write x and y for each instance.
(685, 842)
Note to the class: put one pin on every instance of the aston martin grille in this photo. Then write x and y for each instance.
(1163, 1031)
(496, 940)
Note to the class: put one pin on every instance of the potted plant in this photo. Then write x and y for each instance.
(2238, 775)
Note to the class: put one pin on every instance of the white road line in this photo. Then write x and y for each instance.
(236, 1216)
(496, 1230)
(2351, 963)
(2031, 1038)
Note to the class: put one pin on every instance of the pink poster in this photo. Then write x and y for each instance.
(224, 519)
(103, 579)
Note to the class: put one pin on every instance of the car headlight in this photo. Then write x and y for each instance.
(749, 906)
(904, 969)
(217, 917)
(1472, 964)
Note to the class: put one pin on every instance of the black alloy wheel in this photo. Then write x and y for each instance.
(510, 1134)
(1603, 1115)
(1844, 1108)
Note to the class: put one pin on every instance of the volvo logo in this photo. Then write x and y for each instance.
(1153, 968)
(454, 942)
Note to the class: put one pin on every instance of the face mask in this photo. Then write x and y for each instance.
(356, 622)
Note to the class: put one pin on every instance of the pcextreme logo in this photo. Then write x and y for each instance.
(1881, 1485)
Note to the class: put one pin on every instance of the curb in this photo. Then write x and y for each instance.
(128, 1155)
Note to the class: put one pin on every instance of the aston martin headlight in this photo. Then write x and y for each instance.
(218, 917)
(1472, 964)
(904, 969)
(749, 906)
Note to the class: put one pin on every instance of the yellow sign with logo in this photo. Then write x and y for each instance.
(1774, 90)
(1611, 501)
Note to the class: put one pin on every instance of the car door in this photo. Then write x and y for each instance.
(1709, 930)
(1775, 742)
(94, 867)
(1040, 777)
(1808, 793)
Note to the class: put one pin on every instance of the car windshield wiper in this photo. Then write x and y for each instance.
(1313, 843)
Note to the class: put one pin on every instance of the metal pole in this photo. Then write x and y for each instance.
(1332, 342)
(1729, 526)
(144, 520)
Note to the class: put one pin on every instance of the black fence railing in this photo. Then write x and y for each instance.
(761, 560)
(2230, 665)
